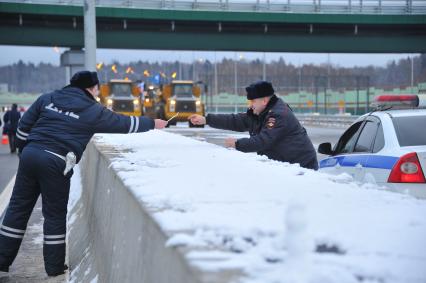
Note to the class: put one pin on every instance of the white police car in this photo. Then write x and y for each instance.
(385, 147)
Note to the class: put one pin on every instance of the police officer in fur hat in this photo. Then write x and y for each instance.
(274, 129)
(52, 136)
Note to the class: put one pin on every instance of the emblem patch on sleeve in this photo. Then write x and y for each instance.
(271, 123)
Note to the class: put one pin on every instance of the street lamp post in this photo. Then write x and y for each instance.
(201, 61)
(193, 67)
(316, 94)
(235, 75)
(412, 72)
(367, 104)
(325, 99)
(215, 80)
(357, 96)
(237, 58)
(264, 67)
(299, 81)
(180, 67)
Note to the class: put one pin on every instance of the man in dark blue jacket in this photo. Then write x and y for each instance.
(52, 136)
(274, 130)
(11, 119)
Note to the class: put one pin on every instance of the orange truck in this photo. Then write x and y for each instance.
(183, 97)
(122, 96)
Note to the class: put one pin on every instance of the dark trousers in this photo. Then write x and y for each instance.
(12, 141)
(39, 172)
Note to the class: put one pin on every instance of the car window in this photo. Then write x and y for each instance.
(366, 137)
(348, 139)
(410, 130)
(379, 142)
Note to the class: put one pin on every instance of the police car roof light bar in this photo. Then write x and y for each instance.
(387, 101)
(407, 170)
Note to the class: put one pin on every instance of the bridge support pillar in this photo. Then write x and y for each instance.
(73, 61)
(90, 34)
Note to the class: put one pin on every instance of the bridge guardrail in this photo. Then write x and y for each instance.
(284, 6)
(327, 120)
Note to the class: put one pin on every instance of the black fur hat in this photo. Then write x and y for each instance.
(259, 89)
(84, 79)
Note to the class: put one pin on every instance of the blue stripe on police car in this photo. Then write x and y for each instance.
(366, 160)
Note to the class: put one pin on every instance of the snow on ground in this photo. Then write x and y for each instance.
(275, 221)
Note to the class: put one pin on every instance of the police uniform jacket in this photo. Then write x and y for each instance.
(65, 120)
(276, 133)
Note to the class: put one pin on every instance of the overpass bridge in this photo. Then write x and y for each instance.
(370, 26)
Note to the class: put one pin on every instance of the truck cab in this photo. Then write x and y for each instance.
(181, 97)
(121, 96)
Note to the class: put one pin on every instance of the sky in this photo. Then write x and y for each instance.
(12, 54)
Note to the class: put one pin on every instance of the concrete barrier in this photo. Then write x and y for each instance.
(112, 237)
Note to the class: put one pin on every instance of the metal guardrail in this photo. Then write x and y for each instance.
(322, 120)
(327, 120)
(279, 6)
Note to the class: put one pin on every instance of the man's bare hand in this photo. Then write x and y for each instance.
(197, 119)
(230, 142)
(160, 124)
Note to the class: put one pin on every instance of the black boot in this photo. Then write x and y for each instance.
(58, 272)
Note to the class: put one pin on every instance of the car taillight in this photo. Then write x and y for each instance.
(407, 170)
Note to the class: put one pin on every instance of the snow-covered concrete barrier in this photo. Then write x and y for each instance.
(114, 238)
(159, 207)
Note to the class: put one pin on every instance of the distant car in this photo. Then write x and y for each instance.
(385, 147)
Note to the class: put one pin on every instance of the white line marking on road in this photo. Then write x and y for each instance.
(6, 194)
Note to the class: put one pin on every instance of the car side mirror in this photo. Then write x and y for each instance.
(325, 148)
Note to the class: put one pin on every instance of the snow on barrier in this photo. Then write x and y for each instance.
(159, 207)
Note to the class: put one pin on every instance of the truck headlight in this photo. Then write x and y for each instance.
(146, 100)
(198, 106)
(198, 103)
(98, 99)
(135, 102)
(109, 101)
(172, 106)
